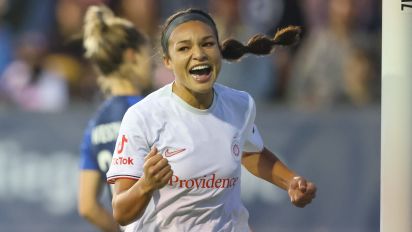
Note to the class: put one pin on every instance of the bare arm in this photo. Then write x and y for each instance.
(267, 166)
(131, 197)
(88, 205)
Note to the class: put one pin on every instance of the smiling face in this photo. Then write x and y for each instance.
(195, 59)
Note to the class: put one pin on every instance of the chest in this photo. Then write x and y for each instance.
(201, 146)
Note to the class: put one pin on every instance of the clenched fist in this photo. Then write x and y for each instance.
(301, 191)
(157, 170)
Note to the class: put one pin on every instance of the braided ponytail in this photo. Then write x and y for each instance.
(233, 50)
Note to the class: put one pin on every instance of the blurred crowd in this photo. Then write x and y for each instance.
(337, 62)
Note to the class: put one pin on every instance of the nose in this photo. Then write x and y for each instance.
(199, 54)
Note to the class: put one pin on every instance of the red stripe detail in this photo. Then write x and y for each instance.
(113, 179)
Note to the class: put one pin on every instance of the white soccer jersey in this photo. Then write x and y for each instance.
(204, 149)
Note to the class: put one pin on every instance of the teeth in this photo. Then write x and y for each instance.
(200, 67)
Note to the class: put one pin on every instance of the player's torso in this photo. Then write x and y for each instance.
(199, 146)
(204, 151)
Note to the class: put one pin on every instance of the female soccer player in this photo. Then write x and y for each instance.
(177, 162)
(121, 55)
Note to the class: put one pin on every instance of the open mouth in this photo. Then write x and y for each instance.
(201, 73)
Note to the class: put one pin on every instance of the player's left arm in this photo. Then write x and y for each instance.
(267, 166)
(88, 202)
(90, 186)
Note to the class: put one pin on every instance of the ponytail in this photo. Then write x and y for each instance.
(106, 36)
(95, 27)
(233, 50)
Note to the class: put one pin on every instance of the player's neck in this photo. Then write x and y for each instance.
(197, 100)
(119, 87)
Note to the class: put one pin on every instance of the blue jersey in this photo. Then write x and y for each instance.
(101, 133)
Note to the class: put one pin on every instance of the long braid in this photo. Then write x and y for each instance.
(259, 44)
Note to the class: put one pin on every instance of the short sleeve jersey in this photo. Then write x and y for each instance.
(101, 133)
(204, 149)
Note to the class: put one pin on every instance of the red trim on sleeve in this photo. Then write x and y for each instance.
(112, 180)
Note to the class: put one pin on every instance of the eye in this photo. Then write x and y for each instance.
(183, 49)
(209, 44)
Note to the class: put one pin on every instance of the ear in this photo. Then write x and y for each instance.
(167, 62)
(129, 56)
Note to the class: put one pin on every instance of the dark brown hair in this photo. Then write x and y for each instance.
(231, 49)
(259, 44)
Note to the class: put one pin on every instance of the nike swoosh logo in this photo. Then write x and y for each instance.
(172, 153)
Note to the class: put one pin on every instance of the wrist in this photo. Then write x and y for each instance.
(145, 187)
(290, 179)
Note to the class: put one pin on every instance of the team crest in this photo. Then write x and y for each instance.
(235, 148)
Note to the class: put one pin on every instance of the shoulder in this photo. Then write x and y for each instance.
(234, 96)
(231, 93)
(152, 104)
(111, 110)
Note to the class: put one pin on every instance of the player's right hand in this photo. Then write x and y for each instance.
(157, 170)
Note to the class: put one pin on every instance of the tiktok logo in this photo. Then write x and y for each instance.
(122, 143)
(120, 148)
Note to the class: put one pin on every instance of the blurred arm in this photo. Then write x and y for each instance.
(88, 205)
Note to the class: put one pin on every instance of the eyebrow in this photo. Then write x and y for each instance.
(188, 41)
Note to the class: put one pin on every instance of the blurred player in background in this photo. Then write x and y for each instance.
(121, 55)
(177, 163)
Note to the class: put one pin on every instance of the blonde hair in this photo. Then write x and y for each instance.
(106, 37)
